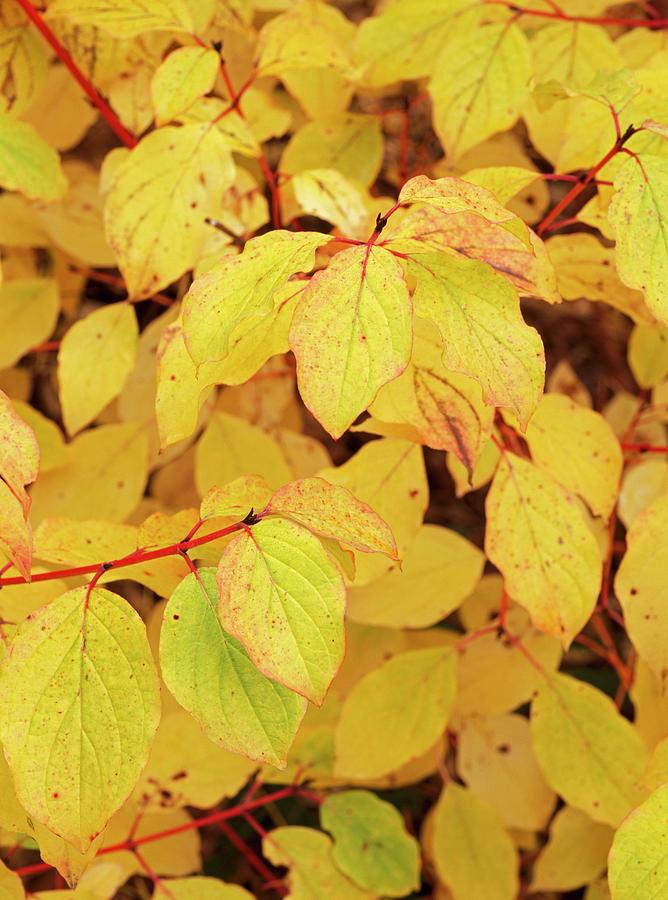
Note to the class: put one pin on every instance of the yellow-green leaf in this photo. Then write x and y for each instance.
(374, 735)
(330, 195)
(638, 865)
(480, 84)
(478, 315)
(332, 511)
(184, 76)
(439, 569)
(81, 704)
(28, 313)
(371, 844)
(648, 354)
(23, 62)
(209, 674)
(313, 873)
(95, 357)
(203, 888)
(351, 334)
(579, 449)
(575, 854)
(126, 18)
(642, 586)
(472, 853)
(589, 754)
(158, 199)
(537, 537)
(283, 598)
(242, 288)
(27, 163)
(639, 214)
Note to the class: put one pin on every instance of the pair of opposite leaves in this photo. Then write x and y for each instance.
(80, 693)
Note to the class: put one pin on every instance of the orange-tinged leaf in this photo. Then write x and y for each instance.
(332, 511)
(95, 357)
(15, 532)
(538, 538)
(19, 451)
(351, 334)
(283, 598)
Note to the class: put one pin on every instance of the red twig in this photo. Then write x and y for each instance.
(137, 556)
(105, 110)
(644, 448)
(212, 819)
(561, 16)
(253, 860)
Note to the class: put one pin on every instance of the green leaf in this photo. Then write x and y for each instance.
(351, 334)
(395, 713)
(639, 214)
(638, 863)
(283, 598)
(27, 163)
(484, 334)
(371, 844)
(588, 752)
(80, 706)
(211, 676)
(244, 287)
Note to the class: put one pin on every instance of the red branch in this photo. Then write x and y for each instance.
(105, 110)
(212, 819)
(561, 16)
(131, 559)
(644, 448)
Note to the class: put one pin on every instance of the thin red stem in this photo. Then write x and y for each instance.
(251, 857)
(644, 448)
(105, 110)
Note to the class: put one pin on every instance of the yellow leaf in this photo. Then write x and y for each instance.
(350, 143)
(106, 469)
(389, 476)
(23, 62)
(374, 735)
(480, 84)
(158, 199)
(230, 447)
(243, 287)
(503, 181)
(648, 354)
(638, 213)
(579, 449)
(642, 484)
(439, 569)
(215, 681)
(174, 855)
(538, 538)
(642, 586)
(28, 312)
(130, 97)
(435, 406)
(27, 163)
(585, 268)
(308, 36)
(95, 357)
(61, 113)
(126, 18)
(70, 542)
(185, 75)
(332, 511)
(497, 762)
(606, 781)
(186, 769)
(484, 335)
(480, 690)
(11, 886)
(649, 704)
(330, 195)
(351, 334)
(637, 865)
(482, 471)
(203, 888)
(472, 853)
(575, 854)
(236, 498)
(283, 598)
(404, 40)
(71, 668)
(454, 195)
